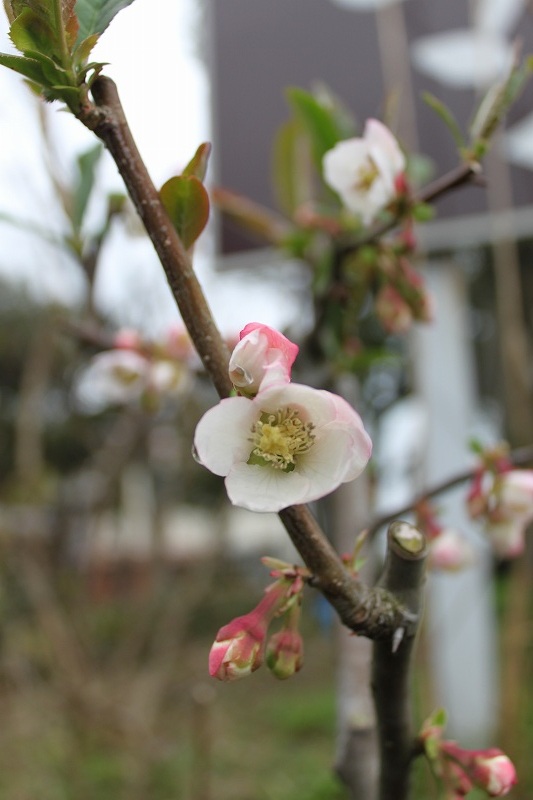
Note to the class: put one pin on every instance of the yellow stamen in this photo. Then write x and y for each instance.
(279, 438)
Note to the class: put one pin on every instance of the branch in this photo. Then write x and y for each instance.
(373, 612)
(519, 458)
(403, 576)
(106, 119)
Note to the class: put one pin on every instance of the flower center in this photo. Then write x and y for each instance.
(279, 438)
(366, 175)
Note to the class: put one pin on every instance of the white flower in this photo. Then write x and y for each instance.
(262, 356)
(363, 171)
(124, 376)
(291, 444)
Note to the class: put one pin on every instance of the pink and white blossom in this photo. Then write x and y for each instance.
(290, 444)
(364, 171)
(262, 356)
(122, 376)
(510, 512)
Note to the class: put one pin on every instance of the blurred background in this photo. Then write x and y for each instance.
(120, 556)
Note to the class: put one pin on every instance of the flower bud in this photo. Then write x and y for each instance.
(284, 655)
(239, 647)
(488, 769)
(450, 551)
(494, 772)
(263, 355)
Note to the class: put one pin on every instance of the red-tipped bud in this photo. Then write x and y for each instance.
(127, 339)
(239, 647)
(392, 310)
(489, 769)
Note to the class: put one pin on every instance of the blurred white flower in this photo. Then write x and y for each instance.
(363, 171)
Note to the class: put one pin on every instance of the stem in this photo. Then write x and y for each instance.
(58, 18)
(374, 612)
(391, 670)
(108, 122)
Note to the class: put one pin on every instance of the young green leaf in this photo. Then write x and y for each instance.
(447, 117)
(95, 15)
(318, 120)
(28, 67)
(187, 205)
(87, 163)
(197, 166)
(292, 167)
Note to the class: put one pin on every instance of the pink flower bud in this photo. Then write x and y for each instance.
(488, 769)
(392, 310)
(494, 772)
(450, 551)
(262, 356)
(239, 647)
(127, 339)
(284, 655)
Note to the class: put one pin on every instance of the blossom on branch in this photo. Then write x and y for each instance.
(366, 172)
(262, 356)
(290, 444)
(503, 497)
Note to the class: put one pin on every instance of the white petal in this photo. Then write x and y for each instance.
(264, 488)
(222, 435)
(315, 405)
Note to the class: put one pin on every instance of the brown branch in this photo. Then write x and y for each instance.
(106, 118)
(403, 576)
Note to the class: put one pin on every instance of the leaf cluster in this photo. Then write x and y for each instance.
(55, 39)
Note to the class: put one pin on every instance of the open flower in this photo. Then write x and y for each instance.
(510, 512)
(291, 444)
(364, 171)
(263, 355)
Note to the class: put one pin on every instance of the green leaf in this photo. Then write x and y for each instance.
(197, 166)
(28, 67)
(318, 121)
(83, 49)
(95, 15)
(87, 163)
(291, 164)
(187, 204)
(31, 32)
(447, 117)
